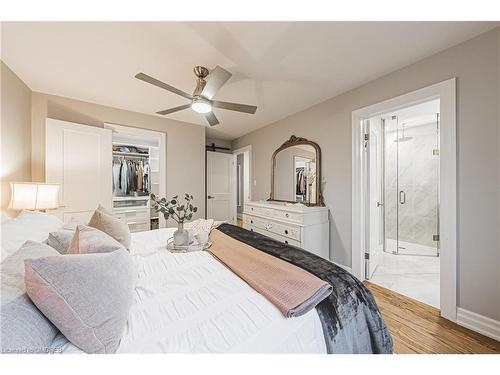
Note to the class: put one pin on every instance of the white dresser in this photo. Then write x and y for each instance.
(294, 224)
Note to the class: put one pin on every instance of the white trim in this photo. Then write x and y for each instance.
(241, 151)
(446, 92)
(479, 323)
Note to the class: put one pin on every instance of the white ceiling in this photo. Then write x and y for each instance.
(282, 67)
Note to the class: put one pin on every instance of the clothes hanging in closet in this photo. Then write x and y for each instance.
(116, 174)
(300, 188)
(130, 177)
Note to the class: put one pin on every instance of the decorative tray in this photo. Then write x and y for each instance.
(193, 246)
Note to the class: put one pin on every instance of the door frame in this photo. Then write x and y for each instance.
(446, 92)
(381, 198)
(242, 150)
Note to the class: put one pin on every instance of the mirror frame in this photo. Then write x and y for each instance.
(294, 141)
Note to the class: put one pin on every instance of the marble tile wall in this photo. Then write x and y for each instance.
(411, 166)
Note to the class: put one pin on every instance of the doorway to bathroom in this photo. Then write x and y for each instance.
(372, 249)
(403, 178)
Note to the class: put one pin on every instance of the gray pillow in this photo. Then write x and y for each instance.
(24, 329)
(61, 239)
(116, 228)
(87, 297)
(89, 240)
(12, 269)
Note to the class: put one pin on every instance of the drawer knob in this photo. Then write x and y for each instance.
(286, 231)
(287, 215)
(251, 221)
(251, 229)
(286, 242)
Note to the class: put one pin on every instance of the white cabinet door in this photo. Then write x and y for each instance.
(79, 158)
(221, 181)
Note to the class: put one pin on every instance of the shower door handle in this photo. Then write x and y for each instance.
(402, 197)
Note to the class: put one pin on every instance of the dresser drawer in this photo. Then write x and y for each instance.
(139, 226)
(281, 229)
(272, 235)
(255, 222)
(131, 215)
(290, 216)
(262, 211)
(277, 214)
(284, 230)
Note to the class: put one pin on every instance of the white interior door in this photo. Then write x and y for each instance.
(375, 217)
(78, 157)
(221, 191)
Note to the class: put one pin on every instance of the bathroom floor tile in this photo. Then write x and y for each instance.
(413, 276)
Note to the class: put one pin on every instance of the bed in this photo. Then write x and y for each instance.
(191, 303)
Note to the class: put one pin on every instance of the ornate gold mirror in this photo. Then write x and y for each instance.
(296, 172)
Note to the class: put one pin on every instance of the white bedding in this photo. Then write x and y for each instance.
(190, 303)
(28, 225)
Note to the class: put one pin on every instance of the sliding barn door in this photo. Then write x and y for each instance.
(78, 157)
(221, 183)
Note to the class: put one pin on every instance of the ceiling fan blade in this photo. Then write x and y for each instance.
(154, 81)
(215, 81)
(235, 106)
(212, 120)
(175, 109)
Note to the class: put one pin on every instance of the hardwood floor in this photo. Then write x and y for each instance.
(239, 222)
(417, 328)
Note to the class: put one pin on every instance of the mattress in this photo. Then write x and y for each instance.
(191, 303)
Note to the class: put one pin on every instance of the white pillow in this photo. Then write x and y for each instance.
(28, 225)
(4, 217)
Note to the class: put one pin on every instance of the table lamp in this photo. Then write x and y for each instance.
(35, 196)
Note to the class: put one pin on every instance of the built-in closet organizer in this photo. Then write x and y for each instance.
(139, 156)
(294, 224)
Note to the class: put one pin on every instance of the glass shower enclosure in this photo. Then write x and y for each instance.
(411, 185)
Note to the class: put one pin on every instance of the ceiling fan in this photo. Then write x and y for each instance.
(202, 98)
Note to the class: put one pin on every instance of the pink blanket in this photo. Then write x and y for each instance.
(291, 289)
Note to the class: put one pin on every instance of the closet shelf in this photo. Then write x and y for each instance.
(134, 154)
(131, 198)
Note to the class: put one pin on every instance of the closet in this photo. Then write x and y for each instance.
(116, 166)
(138, 155)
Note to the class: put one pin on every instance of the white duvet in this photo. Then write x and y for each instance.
(190, 303)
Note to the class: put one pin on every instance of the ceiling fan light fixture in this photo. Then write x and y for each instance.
(201, 105)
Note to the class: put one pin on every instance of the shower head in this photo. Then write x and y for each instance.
(403, 139)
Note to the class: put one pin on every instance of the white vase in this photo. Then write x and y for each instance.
(181, 236)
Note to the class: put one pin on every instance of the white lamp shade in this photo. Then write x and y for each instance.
(33, 196)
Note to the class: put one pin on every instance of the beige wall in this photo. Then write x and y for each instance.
(15, 164)
(476, 65)
(185, 142)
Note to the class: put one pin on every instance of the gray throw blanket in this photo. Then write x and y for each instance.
(350, 318)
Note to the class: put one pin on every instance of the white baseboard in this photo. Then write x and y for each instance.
(479, 323)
